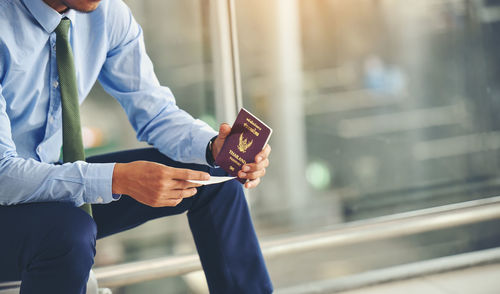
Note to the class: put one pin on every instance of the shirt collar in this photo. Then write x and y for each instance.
(46, 16)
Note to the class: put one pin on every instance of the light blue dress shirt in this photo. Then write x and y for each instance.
(107, 45)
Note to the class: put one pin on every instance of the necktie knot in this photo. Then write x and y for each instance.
(63, 28)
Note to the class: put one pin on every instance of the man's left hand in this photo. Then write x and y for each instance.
(251, 171)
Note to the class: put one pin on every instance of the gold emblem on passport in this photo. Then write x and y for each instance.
(243, 145)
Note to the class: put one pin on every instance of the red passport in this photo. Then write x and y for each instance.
(248, 137)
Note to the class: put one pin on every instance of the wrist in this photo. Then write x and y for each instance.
(118, 179)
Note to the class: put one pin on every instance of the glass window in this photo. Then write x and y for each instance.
(378, 107)
(397, 100)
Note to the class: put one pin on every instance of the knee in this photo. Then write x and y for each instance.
(234, 187)
(227, 194)
(78, 230)
(73, 238)
(232, 191)
(60, 240)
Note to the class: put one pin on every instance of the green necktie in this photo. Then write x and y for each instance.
(72, 131)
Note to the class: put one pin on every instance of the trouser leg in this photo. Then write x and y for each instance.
(219, 220)
(49, 246)
(225, 238)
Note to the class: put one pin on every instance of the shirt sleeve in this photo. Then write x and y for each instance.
(128, 75)
(27, 180)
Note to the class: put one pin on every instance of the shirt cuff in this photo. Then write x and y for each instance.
(199, 146)
(98, 183)
(209, 153)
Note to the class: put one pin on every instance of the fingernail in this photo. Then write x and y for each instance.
(258, 159)
(206, 177)
(243, 175)
(246, 168)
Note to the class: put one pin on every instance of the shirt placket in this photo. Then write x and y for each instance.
(53, 114)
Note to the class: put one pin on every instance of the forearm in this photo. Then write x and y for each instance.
(178, 135)
(26, 180)
(158, 121)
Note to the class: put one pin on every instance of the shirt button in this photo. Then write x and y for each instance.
(99, 199)
(55, 84)
(51, 119)
(39, 149)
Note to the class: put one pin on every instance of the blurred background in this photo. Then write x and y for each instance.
(378, 107)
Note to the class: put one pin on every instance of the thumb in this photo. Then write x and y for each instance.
(224, 131)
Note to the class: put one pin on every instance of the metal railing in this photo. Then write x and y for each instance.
(356, 232)
(397, 273)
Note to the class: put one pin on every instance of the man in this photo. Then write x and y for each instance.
(49, 48)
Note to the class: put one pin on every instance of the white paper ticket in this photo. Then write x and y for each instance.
(212, 180)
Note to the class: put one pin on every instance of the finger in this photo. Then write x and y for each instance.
(180, 193)
(252, 184)
(180, 185)
(186, 193)
(173, 202)
(189, 174)
(263, 154)
(252, 176)
(165, 202)
(252, 167)
(224, 131)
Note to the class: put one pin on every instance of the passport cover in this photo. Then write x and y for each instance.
(248, 137)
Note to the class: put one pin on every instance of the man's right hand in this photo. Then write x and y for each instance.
(155, 184)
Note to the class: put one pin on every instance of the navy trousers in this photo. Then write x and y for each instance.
(51, 246)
